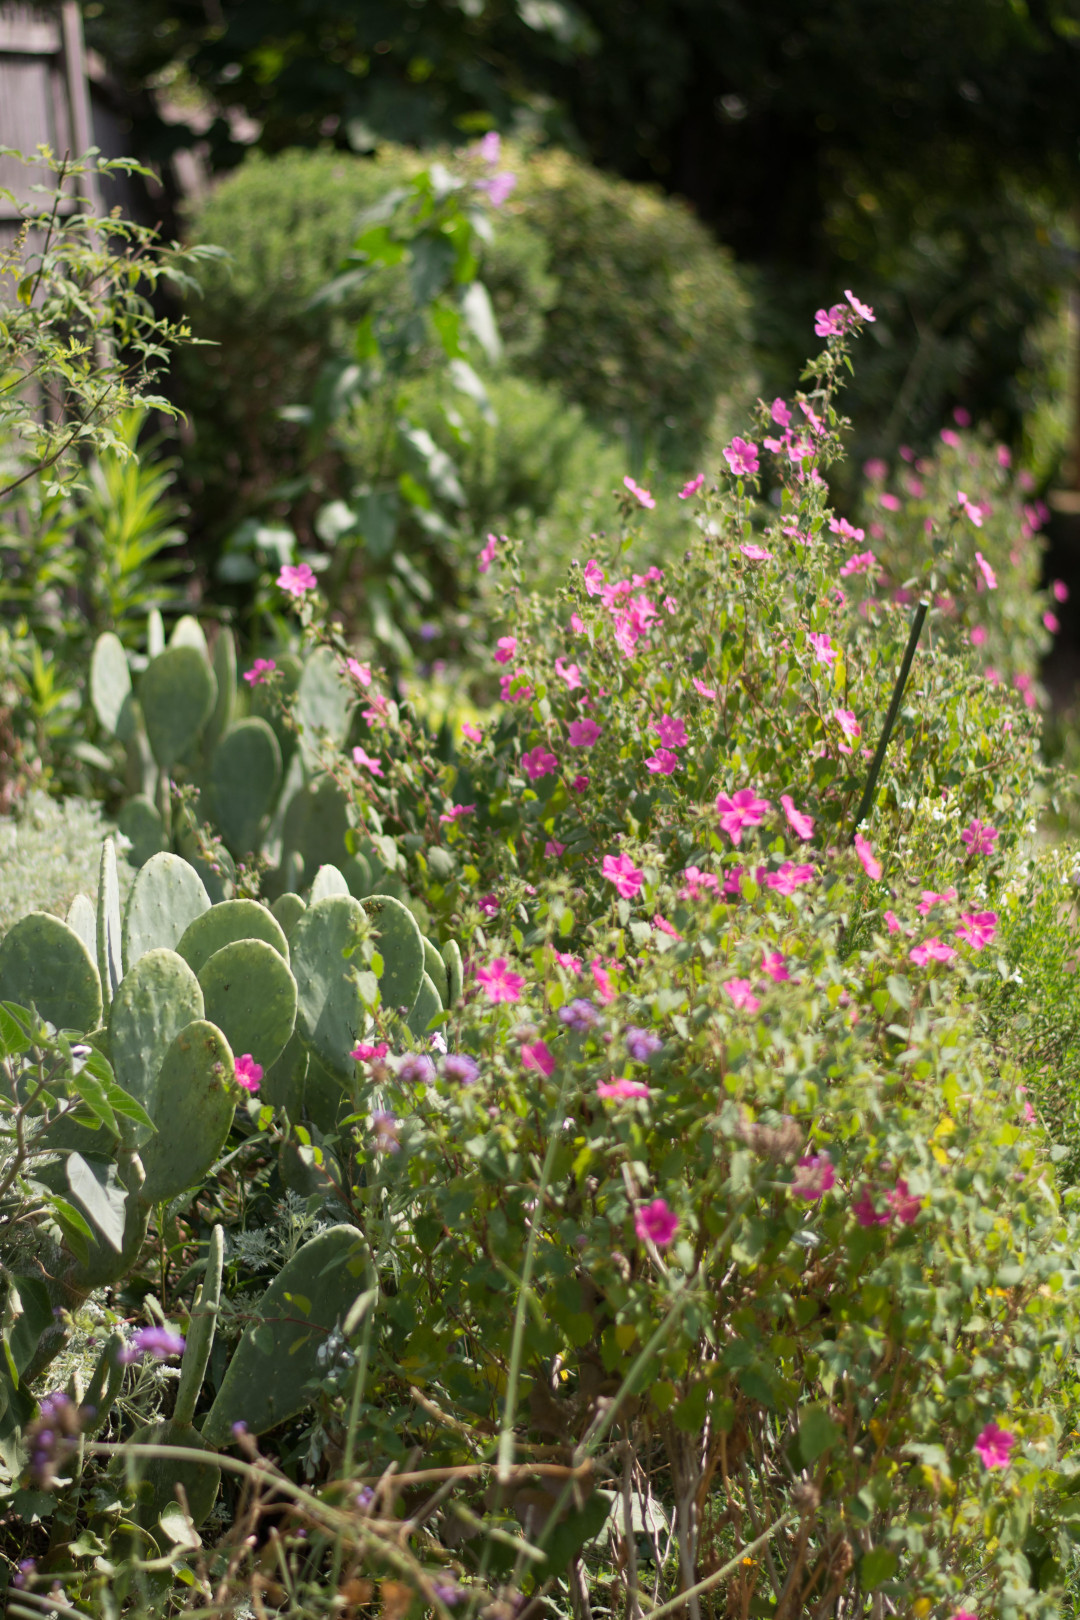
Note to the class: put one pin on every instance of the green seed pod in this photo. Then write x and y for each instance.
(278, 1353)
(44, 964)
(245, 774)
(222, 924)
(194, 1101)
(166, 896)
(156, 999)
(176, 694)
(251, 995)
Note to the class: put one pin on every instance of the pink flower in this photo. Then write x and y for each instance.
(814, 1175)
(473, 733)
(742, 995)
(931, 898)
(488, 905)
(622, 1090)
(697, 879)
(846, 530)
(1060, 590)
(567, 961)
(902, 1204)
(781, 413)
(627, 878)
(602, 980)
(248, 1073)
(848, 724)
(876, 469)
(703, 690)
(978, 928)
(756, 553)
(537, 1056)
(824, 651)
(538, 762)
(506, 647)
(863, 311)
(456, 811)
(978, 635)
(987, 572)
(994, 1445)
(665, 927)
(579, 784)
(979, 838)
(487, 555)
(359, 672)
(577, 624)
(515, 688)
(570, 673)
(361, 757)
(860, 563)
(733, 882)
(967, 1614)
(892, 922)
(260, 669)
(865, 1213)
(656, 1223)
(692, 487)
(1051, 622)
(671, 731)
(500, 982)
(662, 763)
(801, 825)
(739, 810)
(773, 964)
(891, 503)
(553, 848)
(742, 457)
(593, 577)
(789, 878)
(870, 863)
(969, 508)
(582, 733)
(642, 496)
(499, 187)
(295, 579)
(832, 322)
(932, 950)
(950, 438)
(365, 1053)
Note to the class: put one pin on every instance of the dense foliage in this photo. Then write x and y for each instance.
(690, 1237)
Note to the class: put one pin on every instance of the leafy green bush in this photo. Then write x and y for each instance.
(690, 1236)
(49, 853)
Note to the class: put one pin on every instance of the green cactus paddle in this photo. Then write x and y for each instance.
(166, 896)
(193, 1104)
(250, 995)
(44, 964)
(224, 923)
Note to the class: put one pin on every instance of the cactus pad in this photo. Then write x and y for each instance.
(176, 694)
(245, 774)
(323, 706)
(224, 665)
(44, 963)
(155, 1001)
(82, 920)
(166, 896)
(188, 632)
(331, 1010)
(328, 880)
(110, 685)
(288, 908)
(109, 926)
(141, 824)
(283, 1083)
(250, 995)
(451, 955)
(401, 946)
(357, 874)
(193, 1104)
(435, 968)
(221, 925)
(316, 822)
(428, 1002)
(277, 1354)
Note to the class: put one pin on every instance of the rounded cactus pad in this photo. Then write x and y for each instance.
(110, 685)
(250, 994)
(153, 1003)
(177, 694)
(245, 775)
(193, 1105)
(166, 896)
(401, 946)
(428, 1002)
(334, 986)
(44, 964)
(225, 923)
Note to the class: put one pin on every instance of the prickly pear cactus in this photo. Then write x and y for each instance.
(283, 1083)
(435, 968)
(316, 822)
(188, 632)
(158, 998)
(176, 695)
(141, 824)
(245, 775)
(250, 994)
(109, 925)
(166, 896)
(110, 685)
(428, 1002)
(323, 707)
(288, 908)
(451, 955)
(401, 946)
(193, 1102)
(334, 988)
(277, 1355)
(44, 964)
(224, 665)
(225, 923)
(82, 920)
(328, 880)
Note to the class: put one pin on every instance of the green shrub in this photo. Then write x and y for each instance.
(49, 851)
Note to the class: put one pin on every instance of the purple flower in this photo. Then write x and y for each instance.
(461, 1067)
(364, 1498)
(416, 1069)
(158, 1342)
(448, 1592)
(386, 1132)
(580, 1015)
(642, 1043)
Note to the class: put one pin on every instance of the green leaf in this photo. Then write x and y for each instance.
(100, 1192)
(877, 1566)
(817, 1433)
(90, 1089)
